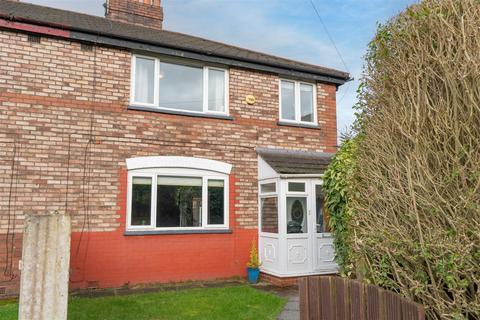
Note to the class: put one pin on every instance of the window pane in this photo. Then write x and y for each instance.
(296, 186)
(179, 201)
(269, 211)
(181, 87)
(216, 201)
(288, 100)
(268, 187)
(141, 201)
(296, 215)
(319, 203)
(306, 102)
(144, 80)
(216, 90)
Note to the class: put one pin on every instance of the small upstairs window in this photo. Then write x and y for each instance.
(186, 87)
(297, 102)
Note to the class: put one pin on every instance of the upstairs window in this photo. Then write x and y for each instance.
(297, 102)
(182, 87)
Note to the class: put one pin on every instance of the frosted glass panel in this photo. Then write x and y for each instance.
(297, 215)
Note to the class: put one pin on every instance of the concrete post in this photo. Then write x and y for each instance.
(45, 267)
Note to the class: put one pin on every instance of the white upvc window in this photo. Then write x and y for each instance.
(268, 207)
(177, 198)
(179, 86)
(298, 103)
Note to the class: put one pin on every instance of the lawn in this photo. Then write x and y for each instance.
(236, 302)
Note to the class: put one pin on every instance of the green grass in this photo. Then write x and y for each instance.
(237, 302)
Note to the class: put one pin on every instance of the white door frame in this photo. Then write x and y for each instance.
(296, 254)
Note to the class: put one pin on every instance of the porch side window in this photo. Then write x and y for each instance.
(268, 207)
(174, 85)
(297, 102)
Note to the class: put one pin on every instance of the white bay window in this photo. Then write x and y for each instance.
(179, 193)
(170, 85)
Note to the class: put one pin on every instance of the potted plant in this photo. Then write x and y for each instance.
(253, 265)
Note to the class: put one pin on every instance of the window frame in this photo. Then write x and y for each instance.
(297, 103)
(156, 89)
(264, 195)
(154, 173)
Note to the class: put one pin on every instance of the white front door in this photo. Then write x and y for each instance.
(309, 246)
(322, 240)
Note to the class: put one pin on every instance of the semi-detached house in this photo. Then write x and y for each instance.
(172, 153)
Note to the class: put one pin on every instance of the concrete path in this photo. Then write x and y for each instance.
(291, 311)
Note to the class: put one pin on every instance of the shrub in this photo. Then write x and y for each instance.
(337, 184)
(417, 177)
(254, 262)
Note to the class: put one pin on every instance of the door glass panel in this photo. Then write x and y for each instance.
(269, 211)
(296, 186)
(297, 215)
(319, 203)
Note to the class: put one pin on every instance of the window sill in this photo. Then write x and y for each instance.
(298, 125)
(180, 113)
(160, 232)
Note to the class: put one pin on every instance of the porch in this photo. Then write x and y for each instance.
(294, 237)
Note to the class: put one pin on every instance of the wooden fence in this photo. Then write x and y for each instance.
(336, 298)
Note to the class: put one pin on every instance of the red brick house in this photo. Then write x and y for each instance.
(171, 153)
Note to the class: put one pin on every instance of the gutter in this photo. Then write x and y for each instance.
(69, 32)
(298, 176)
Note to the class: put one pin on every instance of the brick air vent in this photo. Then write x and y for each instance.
(3, 290)
(86, 47)
(34, 38)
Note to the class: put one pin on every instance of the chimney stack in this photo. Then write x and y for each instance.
(147, 13)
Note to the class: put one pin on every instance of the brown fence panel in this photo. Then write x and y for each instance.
(326, 299)
(335, 298)
(357, 300)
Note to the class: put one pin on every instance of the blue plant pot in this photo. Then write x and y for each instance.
(253, 275)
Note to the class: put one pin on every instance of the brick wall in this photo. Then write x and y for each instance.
(63, 112)
(146, 13)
